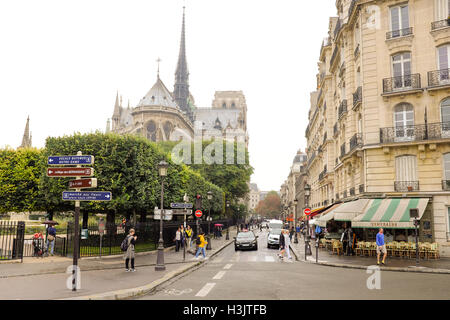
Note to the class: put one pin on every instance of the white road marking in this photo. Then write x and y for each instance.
(252, 258)
(269, 259)
(219, 275)
(228, 266)
(205, 290)
(218, 260)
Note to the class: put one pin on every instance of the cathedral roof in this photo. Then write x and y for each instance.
(225, 117)
(158, 95)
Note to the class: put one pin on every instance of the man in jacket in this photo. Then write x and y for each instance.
(201, 246)
(282, 243)
(129, 254)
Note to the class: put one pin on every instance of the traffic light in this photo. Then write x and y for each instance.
(198, 201)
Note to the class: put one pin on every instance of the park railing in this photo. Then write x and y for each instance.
(12, 236)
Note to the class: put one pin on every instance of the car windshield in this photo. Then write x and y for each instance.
(276, 231)
(246, 235)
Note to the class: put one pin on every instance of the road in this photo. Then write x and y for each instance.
(260, 275)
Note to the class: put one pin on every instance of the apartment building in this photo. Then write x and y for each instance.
(379, 122)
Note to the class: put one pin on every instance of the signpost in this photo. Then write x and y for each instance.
(308, 252)
(70, 172)
(101, 231)
(83, 183)
(198, 213)
(70, 160)
(78, 195)
(181, 205)
(167, 214)
(414, 213)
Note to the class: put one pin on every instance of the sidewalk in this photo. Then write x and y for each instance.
(392, 263)
(46, 278)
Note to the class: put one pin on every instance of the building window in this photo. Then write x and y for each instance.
(441, 9)
(151, 131)
(406, 173)
(399, 20)
(447, 166)
(401, 70)
(404, 122)
(443, 62)
(445, 111)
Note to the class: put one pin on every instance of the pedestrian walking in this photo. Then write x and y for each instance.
(177, 240)
(51, 237)
(129, 253)
(287, 242)
(381, 246)
(201, 242)
(282, 242)
(188, 236)
(183, 236)
(291, 233)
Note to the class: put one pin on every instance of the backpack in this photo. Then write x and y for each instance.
(124, 244)
(198, 241)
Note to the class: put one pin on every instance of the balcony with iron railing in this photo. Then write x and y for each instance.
(324, 137)
(399, 33)
(342, 108)
(446, 185)
(344, 195)
(439, 78)
(440, 24)
(352, 192)
(410, 82)
(335, 129)
(420, 132)
(337, 196)
(357, 97)
(406, 186)
(356, 52)
(311, 158)
(356, 141)
(337, 28)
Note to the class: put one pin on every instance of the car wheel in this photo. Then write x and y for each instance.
(235, 249)
(256, 247)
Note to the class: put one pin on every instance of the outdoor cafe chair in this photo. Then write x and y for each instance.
(423, 250)
(358, 248)
(411, 249)
(322, 243)
(337, 247)
(366, 248)
(434, 250)
(404, 249)
(389, 248)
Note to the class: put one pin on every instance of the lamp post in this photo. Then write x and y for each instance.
(295, 220)
(308, 252)
(228, 225)
(162, 167)
(209, 196)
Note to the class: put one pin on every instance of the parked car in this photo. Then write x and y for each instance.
(246, 240)
(273, 239)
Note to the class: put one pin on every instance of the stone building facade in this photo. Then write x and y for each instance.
(162, 115)
(379, 122)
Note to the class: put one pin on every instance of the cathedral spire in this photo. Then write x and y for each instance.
(26, 140)
(181, 87)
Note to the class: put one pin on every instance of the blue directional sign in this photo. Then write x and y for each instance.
(86, 195)
(70, 160)
(181, 205)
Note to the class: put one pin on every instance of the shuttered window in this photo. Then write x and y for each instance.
(441, 9)
(447, 166)
(399, 18)
(406, 168)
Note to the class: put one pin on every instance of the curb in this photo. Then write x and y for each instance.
(395, 269)
(134, 292)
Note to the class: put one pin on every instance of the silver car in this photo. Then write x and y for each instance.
(273, 239)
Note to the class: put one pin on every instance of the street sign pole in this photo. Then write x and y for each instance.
(76, 243)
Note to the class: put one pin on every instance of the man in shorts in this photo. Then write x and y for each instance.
(381, 246)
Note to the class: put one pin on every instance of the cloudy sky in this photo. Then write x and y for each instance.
(61, 63)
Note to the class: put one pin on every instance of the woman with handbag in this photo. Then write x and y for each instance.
(51, 236)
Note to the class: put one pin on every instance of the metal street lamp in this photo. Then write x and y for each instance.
(228, 225)
(295, 220)
(162, 167)
(308, 252)
(209, 196)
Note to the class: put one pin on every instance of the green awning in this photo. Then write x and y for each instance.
(390, 213)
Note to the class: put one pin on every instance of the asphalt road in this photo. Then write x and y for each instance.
(260, 275)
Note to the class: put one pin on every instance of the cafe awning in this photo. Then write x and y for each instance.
(327, 215)
(350, 210)
(390, 213)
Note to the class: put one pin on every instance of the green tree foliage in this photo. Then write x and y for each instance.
(19, 179)
(128, 167)
(270, 206)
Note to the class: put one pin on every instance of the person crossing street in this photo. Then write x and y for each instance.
(201, 245)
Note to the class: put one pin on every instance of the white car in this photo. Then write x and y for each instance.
(273, 239)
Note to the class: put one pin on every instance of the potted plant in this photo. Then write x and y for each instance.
(410, 188)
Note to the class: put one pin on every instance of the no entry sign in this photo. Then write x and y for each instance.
(198, 213)
(307, 211)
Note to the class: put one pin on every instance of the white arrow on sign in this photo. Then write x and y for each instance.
(50, 160)
(50, 171)
(107, 196)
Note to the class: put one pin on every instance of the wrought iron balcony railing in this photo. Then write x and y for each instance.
(357, 97)
(402, 83)
(440, 24)
(335, 129)
(311, 158)
(325, 203)
(421, 132)
(337, 28)
(446, 185)
(356, 141)
(356, 52)
(334, 55)
(321, 175)
(342, 108)
(406, 186)
(343, 149)
(337, 196)
(324, 137)
(344, 195)
(352, 192)
(439, 77)
(399, 33)
(361, 188)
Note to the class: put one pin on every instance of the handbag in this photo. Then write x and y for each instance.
(50, 238)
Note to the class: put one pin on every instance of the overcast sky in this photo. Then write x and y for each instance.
(62, 61)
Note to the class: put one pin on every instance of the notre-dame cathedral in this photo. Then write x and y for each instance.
(161, 114)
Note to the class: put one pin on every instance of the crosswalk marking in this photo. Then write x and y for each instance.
(205, 290)
(269, 259)
(227, 266)
(219, 275)
(252, 258)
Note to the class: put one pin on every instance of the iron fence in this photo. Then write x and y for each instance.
(446, 185)
(403, 186)
(420, 132)
(357, 97)
(356, 141)
(440, 24)
(342, 108)
(438, 77)
(12, 236)
(361, 188)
